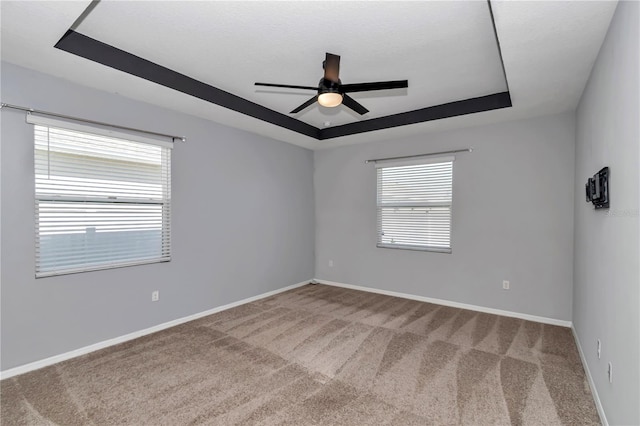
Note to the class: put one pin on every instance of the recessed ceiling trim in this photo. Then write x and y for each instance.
(97, 51)
(495, 33)
(437, 112)
(105, 54)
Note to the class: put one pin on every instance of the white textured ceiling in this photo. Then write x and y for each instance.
(231, 45)
(446, 50)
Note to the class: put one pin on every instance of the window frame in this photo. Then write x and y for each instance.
(47, 199)
(438, 159)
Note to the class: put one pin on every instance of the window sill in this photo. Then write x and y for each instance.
(414, 248)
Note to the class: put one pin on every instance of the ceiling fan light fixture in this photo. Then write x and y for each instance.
(330, 99)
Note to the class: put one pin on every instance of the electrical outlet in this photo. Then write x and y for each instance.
(331, 264)
(505, 285)
(599, 348)
(610, 371)
(155, 296)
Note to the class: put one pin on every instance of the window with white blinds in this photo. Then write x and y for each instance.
(414, 204)
(100, 201)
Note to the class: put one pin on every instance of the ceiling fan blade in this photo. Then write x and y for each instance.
(288, 86)
(380, 85)
(331, 67)
(348, 101)
(304, 105)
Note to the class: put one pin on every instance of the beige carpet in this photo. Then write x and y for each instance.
(319, 355)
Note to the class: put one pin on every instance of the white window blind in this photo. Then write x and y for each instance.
(414, 204)
(100, 201)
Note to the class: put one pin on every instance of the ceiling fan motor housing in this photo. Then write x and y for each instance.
(328, 86)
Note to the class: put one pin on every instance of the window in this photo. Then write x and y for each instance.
(414, 204)
(102, 199)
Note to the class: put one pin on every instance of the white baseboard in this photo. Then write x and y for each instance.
(527, 317)
(110, 342)
(116, 340)
(592, 385)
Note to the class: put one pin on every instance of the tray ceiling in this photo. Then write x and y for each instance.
(232, 45)
(447, 50)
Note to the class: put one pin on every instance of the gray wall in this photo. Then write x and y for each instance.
(512, 218)
(242, 225)
(606, 303)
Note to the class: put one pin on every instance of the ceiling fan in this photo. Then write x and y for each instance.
(331, 91)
